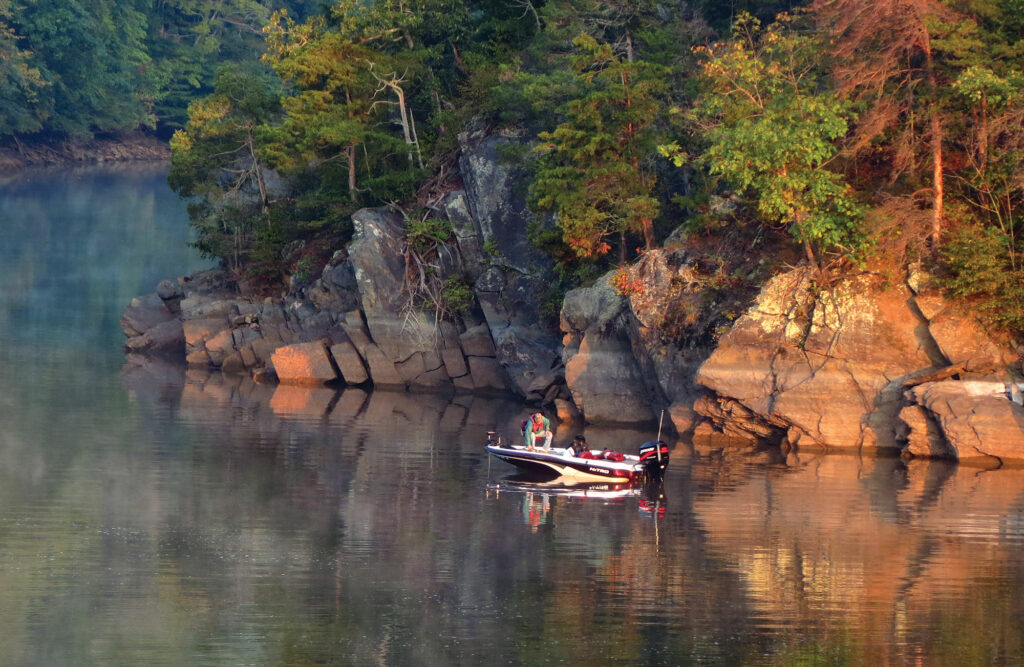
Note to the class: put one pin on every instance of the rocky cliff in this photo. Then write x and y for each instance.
(356, 325)
(864, 365)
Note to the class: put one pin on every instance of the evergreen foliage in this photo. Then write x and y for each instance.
(216, 160)
(595, 174)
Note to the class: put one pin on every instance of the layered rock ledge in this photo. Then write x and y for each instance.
(864, 365)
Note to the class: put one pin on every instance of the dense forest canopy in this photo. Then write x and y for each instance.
(86, 67)
(855, 131)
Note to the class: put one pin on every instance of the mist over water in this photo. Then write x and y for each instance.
(150, 515)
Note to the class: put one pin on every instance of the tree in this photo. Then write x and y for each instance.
(91, 54)
(21, 83)
(886, 61)
(189, 39)
(593, 173)
(986, 103)
(217, 157)
(328, 113)
(772, 131)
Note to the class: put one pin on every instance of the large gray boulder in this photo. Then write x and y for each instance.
(602, 370)
(378, 263)
(621, 361)
(336, 291)
(492, 213)
(150, 326)
(496, 201)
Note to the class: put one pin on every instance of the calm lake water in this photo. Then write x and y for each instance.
(153, 516)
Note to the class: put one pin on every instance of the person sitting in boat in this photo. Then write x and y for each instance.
(578, 446)
(536, 427)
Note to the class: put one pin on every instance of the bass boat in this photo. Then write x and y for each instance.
(591, 465)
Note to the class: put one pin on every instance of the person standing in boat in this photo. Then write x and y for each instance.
(537, 427)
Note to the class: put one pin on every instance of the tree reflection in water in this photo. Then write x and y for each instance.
(156, 515)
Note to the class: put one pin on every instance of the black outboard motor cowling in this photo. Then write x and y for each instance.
(654, 456)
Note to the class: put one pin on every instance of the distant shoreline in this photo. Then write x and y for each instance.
(126, 148)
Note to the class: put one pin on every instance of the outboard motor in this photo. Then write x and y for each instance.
(654, 456)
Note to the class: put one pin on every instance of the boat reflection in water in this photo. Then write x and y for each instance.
(539, 494)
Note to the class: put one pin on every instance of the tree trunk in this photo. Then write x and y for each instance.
(983, 134)
(257, 168)
(937, 179)
(415, 139)
(809, 252)
(408, 124)
(353, 194)
(648, 227)
(936, 128)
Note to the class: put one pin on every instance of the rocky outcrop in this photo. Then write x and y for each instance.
(152, 326)
(490, 218)
(831, 368)
(971, 421)
(356, 323)
(858, 364)
(620, 363)
(313, 340)
(601, 367)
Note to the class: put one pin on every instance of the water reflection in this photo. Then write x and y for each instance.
(153, 515)
(757, 560)
(539, 496)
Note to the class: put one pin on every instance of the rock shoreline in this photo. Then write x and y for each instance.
(354, 325)
(136, 146)
(861, 365)
(865, 366)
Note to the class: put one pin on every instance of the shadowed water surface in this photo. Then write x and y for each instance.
(154, 516)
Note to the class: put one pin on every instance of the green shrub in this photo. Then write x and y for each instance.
(980, 266)
(457, 294)
(424, 235)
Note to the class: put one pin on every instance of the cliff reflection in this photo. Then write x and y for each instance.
(911, 556)
(395, 534)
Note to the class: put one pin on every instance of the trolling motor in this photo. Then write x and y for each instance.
(493, 439)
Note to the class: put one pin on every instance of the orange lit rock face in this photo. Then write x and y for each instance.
(976, 419)
(830, 367)
(303, 363)
(821, 365)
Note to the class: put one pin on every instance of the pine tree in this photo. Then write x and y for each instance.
(217, 157)
(594, 172)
